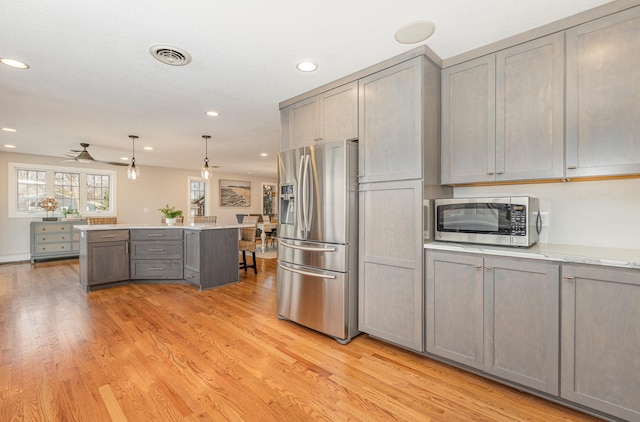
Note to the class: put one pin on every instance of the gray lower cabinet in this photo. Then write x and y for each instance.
(104, 258)
(390, 267)
(210, 260)
(603, 96)
(601, 339)
(156, 254)
(498, 315)
(54, 239)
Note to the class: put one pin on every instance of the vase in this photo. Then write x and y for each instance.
(171, 221)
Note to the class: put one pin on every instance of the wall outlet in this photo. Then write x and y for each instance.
(545, 219)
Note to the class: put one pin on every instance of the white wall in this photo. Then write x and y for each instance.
(155, 188)
(590, 213)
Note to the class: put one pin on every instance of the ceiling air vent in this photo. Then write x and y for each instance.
(170, 55)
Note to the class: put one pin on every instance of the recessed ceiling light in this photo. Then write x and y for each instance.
(264, 154)
(14, 63)
(306, 66)
(212, 113)
(9, 146)
(8, 129)
(414, 32)
(124, 158)
(149, 148)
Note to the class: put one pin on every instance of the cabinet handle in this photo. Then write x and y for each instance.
(155, 235)
(189, 276)
(155, 250)
(126, 248)
(317, 140)
(571, 167)
(477, 266)
(487, 267)
(499, 172)
(568, 277)
(156, 268)
(110, 236)
(490, 174)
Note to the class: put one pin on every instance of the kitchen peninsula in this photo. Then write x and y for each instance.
(203, 255)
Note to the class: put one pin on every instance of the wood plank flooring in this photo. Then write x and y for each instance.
(173, 353)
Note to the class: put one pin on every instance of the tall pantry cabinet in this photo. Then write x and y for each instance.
(398, 163)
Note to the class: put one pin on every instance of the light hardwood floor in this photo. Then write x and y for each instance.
(173, 353)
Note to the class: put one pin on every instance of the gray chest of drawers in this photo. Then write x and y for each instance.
(54, 239)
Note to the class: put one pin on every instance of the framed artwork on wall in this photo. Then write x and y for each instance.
(235, 193)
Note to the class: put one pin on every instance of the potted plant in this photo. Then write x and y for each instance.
(170, 214)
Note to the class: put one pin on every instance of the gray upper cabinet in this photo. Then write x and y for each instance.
(391, 123)
(530, 110)
(601, 339)
(603, 96)
(468, 122)
(327, 117)
(502, 115)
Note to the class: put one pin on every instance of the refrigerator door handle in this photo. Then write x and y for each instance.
(305, 194)
(310, 185)
(308, 273)
(307, 248)
(298, 209)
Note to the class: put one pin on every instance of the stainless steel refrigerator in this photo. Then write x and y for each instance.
(318, 238)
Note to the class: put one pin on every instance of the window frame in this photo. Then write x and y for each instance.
(12, 202)
(207, 195)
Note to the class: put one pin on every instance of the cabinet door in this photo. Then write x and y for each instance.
(530, 110)
(304, 125)
(339, 113)
(454, 298)
(468, 121)
(601, 339)
(391, 123)
(522, 322)
(603, 96)
(192, 250)
(108, 262)
(390, 262)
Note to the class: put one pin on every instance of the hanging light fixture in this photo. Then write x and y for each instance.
(133, 172)
(205, 172)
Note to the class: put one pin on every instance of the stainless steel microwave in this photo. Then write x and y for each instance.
(506, 221)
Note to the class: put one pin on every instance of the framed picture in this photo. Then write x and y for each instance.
(235, 193)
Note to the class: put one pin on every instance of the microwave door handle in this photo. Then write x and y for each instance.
(298, 198)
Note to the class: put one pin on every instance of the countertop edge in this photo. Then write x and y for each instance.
(86, 227)
(575, 254)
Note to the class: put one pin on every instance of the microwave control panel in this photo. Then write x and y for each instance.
(518, 220)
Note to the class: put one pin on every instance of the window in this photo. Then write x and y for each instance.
(67, 190)
(198, 203)
(89, 192)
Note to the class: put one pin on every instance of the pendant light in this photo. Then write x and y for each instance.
(205, 172)
(133, 172)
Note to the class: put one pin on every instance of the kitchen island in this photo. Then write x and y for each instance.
(203, 255)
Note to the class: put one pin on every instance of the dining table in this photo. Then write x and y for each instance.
(265, 227)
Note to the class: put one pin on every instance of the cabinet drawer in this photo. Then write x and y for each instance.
(52, 247)
(53, 228)
(156, 234)
(156, 249)
(192, 277)
(107, 235)
(156, 269)
(52, 237)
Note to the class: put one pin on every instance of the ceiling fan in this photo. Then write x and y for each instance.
(84, 157)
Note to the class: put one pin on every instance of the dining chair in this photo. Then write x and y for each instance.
(205, 219)
(247, 243)
(101, 220)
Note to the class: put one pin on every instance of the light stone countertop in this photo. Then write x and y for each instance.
(613, 257)
(86, 227)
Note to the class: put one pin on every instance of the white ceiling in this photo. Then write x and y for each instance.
(93, 80)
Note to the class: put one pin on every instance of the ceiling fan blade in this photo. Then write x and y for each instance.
(113, 163)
